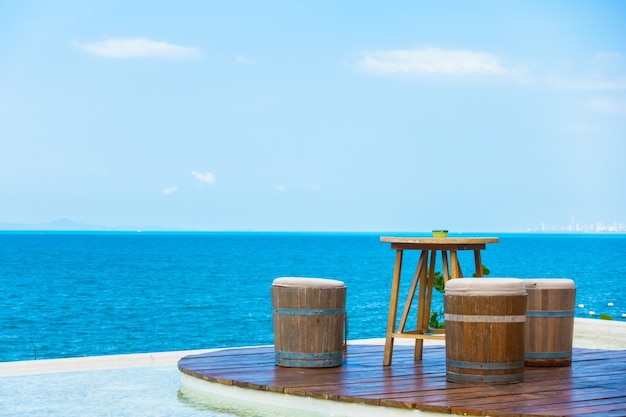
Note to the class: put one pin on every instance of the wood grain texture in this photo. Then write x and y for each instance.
(309, 325)
(595, 384)
(549, 326)
(485, 338)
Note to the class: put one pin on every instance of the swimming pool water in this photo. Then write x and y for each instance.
(128, 392)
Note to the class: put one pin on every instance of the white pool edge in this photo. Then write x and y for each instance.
(275, 400)
(94, 363)
(588, 333)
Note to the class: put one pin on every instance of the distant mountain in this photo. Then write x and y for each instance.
(59, 224)
(71, 225)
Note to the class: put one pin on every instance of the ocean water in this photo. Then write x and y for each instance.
(95, 293)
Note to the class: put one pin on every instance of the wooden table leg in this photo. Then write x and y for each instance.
(424, 304)
(393, 308)
(430, 281)
(411, 295)
(422, 272)
(446, 268)
(479, 263)
(456, 267)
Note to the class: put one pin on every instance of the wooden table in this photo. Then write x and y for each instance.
(424, 276)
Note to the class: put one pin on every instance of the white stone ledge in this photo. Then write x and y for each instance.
(588, 333)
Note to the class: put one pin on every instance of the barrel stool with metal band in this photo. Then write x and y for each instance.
(549, 322)
(309, 322)
(484, 321)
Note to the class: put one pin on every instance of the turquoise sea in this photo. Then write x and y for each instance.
(65, 294)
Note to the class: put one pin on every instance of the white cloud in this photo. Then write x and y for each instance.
(138, 47)
(607, 105)
(589, 84)
(169, 190)
(206, 177)
(606, 72)
(431, 61)
(243, 60)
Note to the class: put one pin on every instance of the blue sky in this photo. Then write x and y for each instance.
(315, 115)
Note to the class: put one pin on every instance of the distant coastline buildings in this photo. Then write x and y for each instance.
(598, 227)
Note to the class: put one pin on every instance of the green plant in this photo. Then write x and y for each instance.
(605, 316)
(486, 271)
(434, 322)
(439, 282)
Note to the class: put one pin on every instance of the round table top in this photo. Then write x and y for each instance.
(440, 240)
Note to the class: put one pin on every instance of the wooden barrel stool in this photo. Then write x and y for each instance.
(484, 320)
(309, 322)
(549, 322)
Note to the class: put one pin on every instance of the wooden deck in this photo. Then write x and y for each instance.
(595, 384)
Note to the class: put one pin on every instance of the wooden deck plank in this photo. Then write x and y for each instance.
(595, 384)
